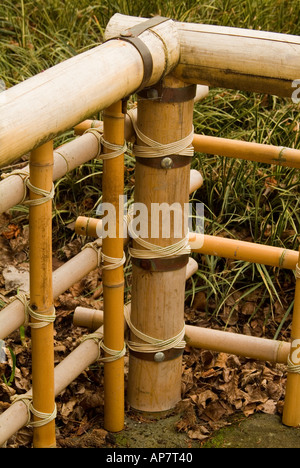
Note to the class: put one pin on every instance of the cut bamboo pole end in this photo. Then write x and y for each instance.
(41, 294)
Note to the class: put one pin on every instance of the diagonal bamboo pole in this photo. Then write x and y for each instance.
(113, 280)
(291, 411)
(41, 295)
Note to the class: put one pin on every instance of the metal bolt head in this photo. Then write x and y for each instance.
(167, 163)
(159, 357)
(126, 33)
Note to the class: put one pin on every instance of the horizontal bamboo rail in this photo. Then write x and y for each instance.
(205, 244)
(64, 95)
(66, 158)
(233, 58)
(206, 338)
(13, 315)
(268, 154)
(245, 251)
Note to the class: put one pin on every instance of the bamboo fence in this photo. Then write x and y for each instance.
(162, 61)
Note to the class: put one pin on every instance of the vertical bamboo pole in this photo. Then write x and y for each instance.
(113, 280)
(157, 307)
(291, 411)
(41, 295)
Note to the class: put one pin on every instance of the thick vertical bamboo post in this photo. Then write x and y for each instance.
(113, 280)
(291, 412)
(157, 307)
(41, 294)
